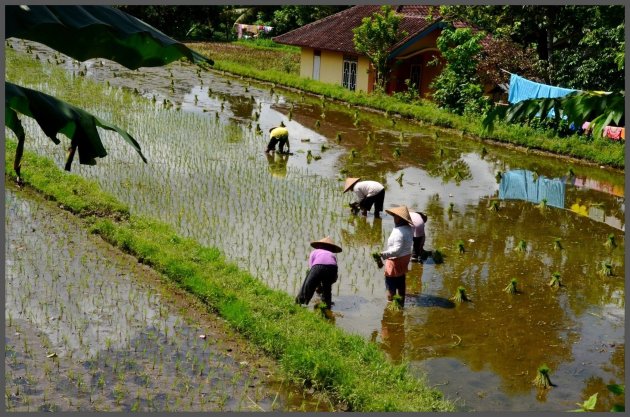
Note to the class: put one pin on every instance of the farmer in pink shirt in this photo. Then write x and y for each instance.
(322, 273)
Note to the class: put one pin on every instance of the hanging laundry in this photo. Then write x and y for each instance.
(524, 89)
(614, 132)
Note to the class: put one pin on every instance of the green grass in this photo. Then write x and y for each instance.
(600, 150)
(310, 350)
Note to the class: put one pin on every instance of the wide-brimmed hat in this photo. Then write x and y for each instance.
(326, 243)
(402, 212)
(349, 183)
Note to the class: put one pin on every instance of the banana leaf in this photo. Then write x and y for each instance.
(85, 32)
(599, 108)
(55, 116)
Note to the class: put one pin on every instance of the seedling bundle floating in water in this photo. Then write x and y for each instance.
(511, 288)
(557, 244)
(555, 280)
(521, 246)
(460, 295)
(542, 378)
(437, 256)
(610, 242)
(494, 205)
(460, 246)
(605, 268)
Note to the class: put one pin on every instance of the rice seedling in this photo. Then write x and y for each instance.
(494, 205)
(511, 287)
(459, 247)
(570, 172)
(395, 304)
(400, 178)
(397, 152)
(317, 124)
(483, 152)
(521, 246)
(543, 204)
(460, 295)
(606, 268)
(542, 379)
(377, 258)
(451, 208)
(498, 176)
(610, 242)
(557, 244)
(338, 137)
(437, 256)
(555, 280)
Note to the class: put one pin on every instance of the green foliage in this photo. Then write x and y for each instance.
(588, 405)
(457, 88)
(374, 39)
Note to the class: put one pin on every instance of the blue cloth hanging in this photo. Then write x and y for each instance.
(524, 89)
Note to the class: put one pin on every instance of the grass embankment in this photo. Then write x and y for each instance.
(309, 349)
(236, 59)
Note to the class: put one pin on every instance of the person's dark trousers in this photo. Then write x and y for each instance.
(395, 285)
(376, 200)
(282, 143)
(418, 247)
(319, 275)
(271, 146)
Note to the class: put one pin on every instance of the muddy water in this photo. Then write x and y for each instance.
(89, 329)
(208, 177)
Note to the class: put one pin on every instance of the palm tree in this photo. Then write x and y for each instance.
(82, 32)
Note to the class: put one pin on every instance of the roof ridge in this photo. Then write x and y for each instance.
(325, 19)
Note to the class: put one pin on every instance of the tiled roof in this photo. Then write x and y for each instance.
(335, 31)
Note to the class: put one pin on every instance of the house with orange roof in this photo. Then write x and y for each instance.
(328, 53)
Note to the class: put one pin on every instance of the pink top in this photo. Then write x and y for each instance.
(418, 224)
(322, 257)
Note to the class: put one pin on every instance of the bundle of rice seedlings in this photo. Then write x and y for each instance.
(377, 259)
(521, 247)
(460, 246)
(460, 295)
(511, 288)
(606, 268)
(543, 204)
(338, 137)
(395, 304)
(555, 280)
(437, 256)
(498, 176)
(557, 245)
(494, 205)
(542, 377)
(451, 207)
(610, 242)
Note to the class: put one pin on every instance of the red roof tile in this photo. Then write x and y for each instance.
(335, 31)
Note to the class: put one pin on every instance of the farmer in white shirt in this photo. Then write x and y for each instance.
(398, 254)
(368, 193)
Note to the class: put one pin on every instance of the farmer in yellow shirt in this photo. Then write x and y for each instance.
(278, 135)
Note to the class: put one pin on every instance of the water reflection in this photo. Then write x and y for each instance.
(526, 185)
(277, 164)
(362, 231)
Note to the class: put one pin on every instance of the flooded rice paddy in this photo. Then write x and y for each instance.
(208, 177)
(89, 329)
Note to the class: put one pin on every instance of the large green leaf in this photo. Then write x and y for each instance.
(85, 32)
(55, 116)
(597, 107)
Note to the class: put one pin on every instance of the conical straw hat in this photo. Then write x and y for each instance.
(326, 243)
(402, 212)
(349, 183)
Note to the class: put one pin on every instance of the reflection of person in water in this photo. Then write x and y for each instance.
(277, 164)
(363, 231)
(393, 333)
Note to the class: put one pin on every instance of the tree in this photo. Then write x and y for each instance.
(576, 46)
(458, 88)
(82, 32)
(289, 17)
(375, 37)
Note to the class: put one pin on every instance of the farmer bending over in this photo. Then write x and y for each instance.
(322, 273)
(398, 253)
(368, 193)
(278, 135)
(418, 219)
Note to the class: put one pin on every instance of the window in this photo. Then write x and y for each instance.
(349, 79)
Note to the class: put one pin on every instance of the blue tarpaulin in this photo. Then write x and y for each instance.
(523, 89)
(521, 185)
